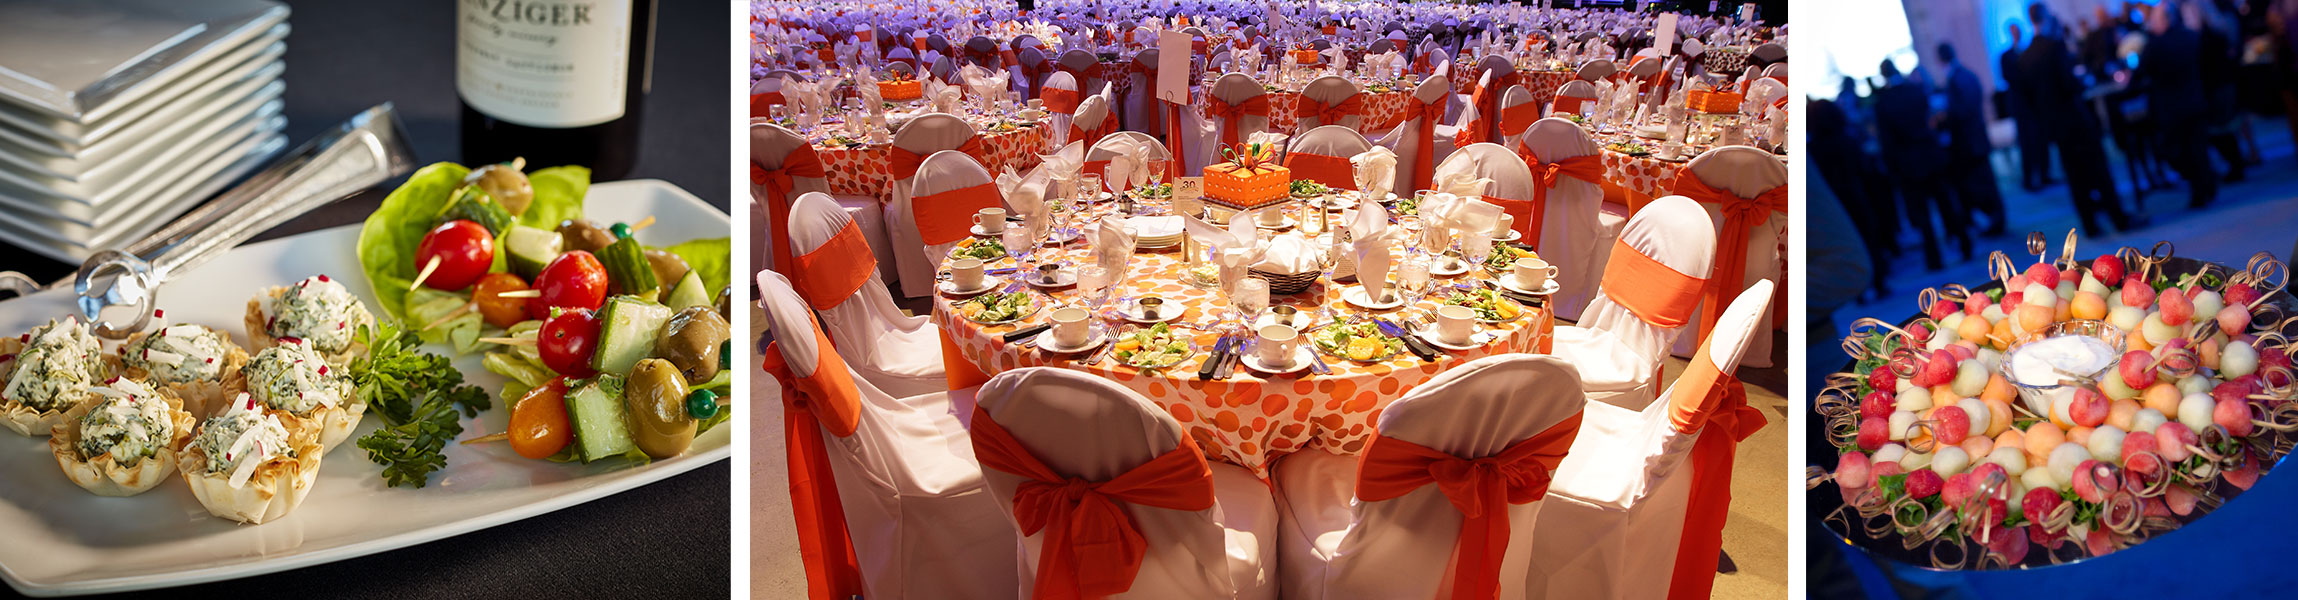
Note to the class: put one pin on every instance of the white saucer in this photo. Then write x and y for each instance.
(1439, 268)
(1361, 299)
(977, 231)
(1508, 282)
(1301, 360)
(1513, 235)
(1288, 224)
(1475, 340)
(1132, 312)
(1045, 343)
(949, 288)
(1061, 279)
(1300, 320)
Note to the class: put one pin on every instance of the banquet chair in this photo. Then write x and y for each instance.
(1381, 46)
(1766, 54)
(1384, 526)
(1575, 233)
(920, 138)
(1322, 155)
(1142, 111)
(945, 70)
(1513, 184)
(1519, 109)
(1082, 66)
(1749, 237)
(950, 187)
(1098, 155)
(1481, 121)
(888, 499)
(900, 354)
(1776, 71)
(1646, 493)
(1597, 69)
(904, 57)
(1238, 106)
(783, 165)
(1193, 529)
(1061, 98)
(1650, 291)
(1422, 140)
(1092, 122)
(766, 93)
(939, 44)
(1329, 100)
(1030, 72)
(1574, 97)
(981, 51)
(1644, 70)
(1221, 62)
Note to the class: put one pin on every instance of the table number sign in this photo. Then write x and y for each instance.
(1173, 67)
(1188, 195)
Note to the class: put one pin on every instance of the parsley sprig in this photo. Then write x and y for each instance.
(418, 395)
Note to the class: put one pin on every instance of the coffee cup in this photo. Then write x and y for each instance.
(1671, 150)
(1501, 227)
(965, 273)
(1277, 345)
(991, 220)
(1071, 326)
(1532, 273)
(1272, 217)
(1455, 324)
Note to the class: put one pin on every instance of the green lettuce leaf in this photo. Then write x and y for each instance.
(559, 193)
(711, 259)
(388, 240)
(426, 306)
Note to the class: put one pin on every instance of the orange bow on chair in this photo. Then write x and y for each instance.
(1331, 114)
(1423, 162)
(778, 184)
(1709, 402)
(1481, 488)
(1232, 116)
(825, 400)
(1741, 217)
(1530, 216)
(1062, 101)
(1092, 548)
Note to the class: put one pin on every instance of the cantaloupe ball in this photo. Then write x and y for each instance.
(2080, 435)
(2063, 311)
(2087, 305)
(1998, 416)
(2147, 420)
(2209, 353)
(1999, 389)
(2064, 458)
(1943, 395)
(1973, 329)
(1977, 446)
(2136, 340)
(2162, 397)
(1950, 460)
(2002, 334)
(2011, 438)
(2194, 411)
(2034, 317)
(2013, 460)
(2040, 439)
(2119, 413)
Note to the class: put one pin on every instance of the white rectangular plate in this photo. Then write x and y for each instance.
(61, 540)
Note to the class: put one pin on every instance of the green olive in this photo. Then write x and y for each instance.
(655, 399)
(581, 234)
(668, 269)
(692, 341)
(506, 184)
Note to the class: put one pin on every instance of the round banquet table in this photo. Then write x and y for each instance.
(867, 169)
(1381, 110)
(1251, 418)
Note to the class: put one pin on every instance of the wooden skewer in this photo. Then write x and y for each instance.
(510, 341)
(450, 316)
(492, 437)
(521, 294)
(643, 223)
(426, 274)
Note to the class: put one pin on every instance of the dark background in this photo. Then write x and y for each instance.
(668, 540)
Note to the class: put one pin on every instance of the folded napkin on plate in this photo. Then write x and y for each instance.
(946, 99)
(1026, 195)
(1337, 59)
(1113, 247)
(1233, 250)
(1375, 171)
(1289, 255)
(1125, 169)
(1064, 163)
(1370, 237)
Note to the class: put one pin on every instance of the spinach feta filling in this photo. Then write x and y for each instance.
(294, 377)
(59, 361)
(130, 424)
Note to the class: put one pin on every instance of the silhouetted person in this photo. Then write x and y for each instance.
(2221, 85)
(1967, 145)
(2066, 119)
(1912, 152)
(2034, 149)
(2169, 70)
(1838, 160)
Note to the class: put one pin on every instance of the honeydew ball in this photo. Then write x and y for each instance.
(1952, 322)
(2126, 318)
(1950, 460)
(1915, 460)
(1888, 453)
(2238, 359)
(2146, 420)
(2106, 444)
(2066, 290)
(1993, 313)
(2013, 460)
(2156, 331)
(2039, 295)
(2194, 384)
(2092, 284)
(2039, 478)
(2062, 406)
(1970, 379)
(2064, 459)
(1913, 398)
(1900, 421)
(2194, 411)
(1990, 358)
(2113, 386)
(2207, 304)
(1981, 416)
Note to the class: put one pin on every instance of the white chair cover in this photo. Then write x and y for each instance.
(1615, 510)
(1514, 97)
(944, 171)
(1338, 141)
(901, 354)
(1092, 114)
(1057, 120)
(1776, 70)
(1091, 428)
(945, 69)
(1618, 353)
(1597, 69)
(1143, 112)
(1572, 235)
(1025, 86)
(1335, 547)
(1746, 172)
(770, 144)
(1404, 140)
(1083, 62)
(924, 135)
(1327, 90)
(914, 498)
(1510, 177)
(1236, 88)
(1578, 88)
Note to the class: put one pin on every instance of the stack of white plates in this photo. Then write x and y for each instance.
(117, 116)
(1156, 232)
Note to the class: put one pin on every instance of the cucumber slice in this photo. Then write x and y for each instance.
(530, 249)
(480, 208)
(601, 430)
(627, 271)
(688, 293)
(628, 326)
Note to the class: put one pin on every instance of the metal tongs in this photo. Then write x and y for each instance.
(361, 153)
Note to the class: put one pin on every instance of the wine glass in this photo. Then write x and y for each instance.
(1017, 245)
(1089, 185)
(1412, 276)
(1093, 284)
(1476, 246)
(1156, 166)
(1250, 298)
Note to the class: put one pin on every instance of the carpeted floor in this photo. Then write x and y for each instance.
(1755, 538)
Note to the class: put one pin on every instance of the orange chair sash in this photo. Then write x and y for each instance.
(1481, 488)
(778, 184)
(1423, 162)
(832, 272)
(1092, 547)
(1077, 133)
(1569, 104)
(1741, 217)
(760, 101)
(1588, 168)
(1333, 171)
(1232, 116)
(948, 216)
(1515, 119)
(1062, 101)
(904, 163)
(1331, 114)
(1075, 73)
(1709, 401)
(826, 400)
(1655, 293)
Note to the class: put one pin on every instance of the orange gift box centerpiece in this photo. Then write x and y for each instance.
(1249, 179)
(900, 86)
(1714, 102)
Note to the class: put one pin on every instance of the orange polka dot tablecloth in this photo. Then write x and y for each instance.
(1381, 111)
(866, 170)
(1645, 175)
(1250, 419)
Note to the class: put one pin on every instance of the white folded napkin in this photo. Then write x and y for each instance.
(1336, 58)
(1113, 248)
(1370, 238)
(1234, 250)
(1289, 255)
(1458, 177)
(1375, 171)
(1125, 169)
(1065, 162)
(1025, 194)
(1155, 227)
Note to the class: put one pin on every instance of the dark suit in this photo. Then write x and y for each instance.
(1912, 152)
(2170, 72)
(1839, 161)
(2034, 148)
(1967, 147)
(2065, 118)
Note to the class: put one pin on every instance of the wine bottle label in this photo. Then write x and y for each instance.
(542, 63)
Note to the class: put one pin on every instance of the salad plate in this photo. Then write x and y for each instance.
(1475, 340)
(999, 308)
(1509, 282)
(1357, 296)
(65, 541)
(1361, 342)
(949, 287)
(1046, 343)
(1153, 347)
(1489, 306)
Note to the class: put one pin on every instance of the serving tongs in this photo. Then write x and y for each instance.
(361, 153)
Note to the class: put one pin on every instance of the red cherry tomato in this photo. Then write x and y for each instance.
(500, 311)
(573, 280)
(464, 251)
(539, 424)
(566, 342)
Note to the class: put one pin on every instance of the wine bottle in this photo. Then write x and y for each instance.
(559, 82)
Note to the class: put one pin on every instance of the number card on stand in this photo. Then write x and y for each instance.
(1188, 195)
(1665, 34)
(1173, 67)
